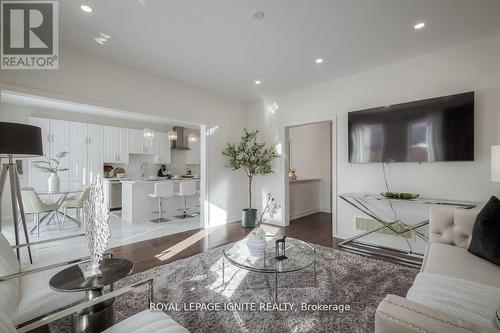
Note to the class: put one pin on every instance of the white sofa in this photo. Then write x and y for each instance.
(455, 290)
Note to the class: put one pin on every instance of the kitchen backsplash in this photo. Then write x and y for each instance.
(133, 168)
(176, 166)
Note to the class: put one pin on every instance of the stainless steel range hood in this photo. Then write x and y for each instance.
(182, 139)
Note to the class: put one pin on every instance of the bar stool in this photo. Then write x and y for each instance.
(162, 190)
(198, 193)
(186, 188)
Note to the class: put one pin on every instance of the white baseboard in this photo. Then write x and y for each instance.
(304, 213)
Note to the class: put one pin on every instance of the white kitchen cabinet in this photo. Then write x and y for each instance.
(55, 139)
(86, 149)
(162, 144)
(135, 141)
(44, 125)
(59, 131)
(36, 177)
(115, 145)
(95, 150)
(121, 145)
(108, 134)
(78, 153)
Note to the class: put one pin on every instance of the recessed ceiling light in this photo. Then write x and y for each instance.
(102, 38)
(257, 82)
(86, 9)
(419, 25)
(102, 34)
(319, 60)
(258, 15)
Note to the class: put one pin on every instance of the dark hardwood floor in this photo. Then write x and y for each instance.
(316, 228)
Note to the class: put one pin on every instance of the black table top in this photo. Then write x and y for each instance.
(71, 279)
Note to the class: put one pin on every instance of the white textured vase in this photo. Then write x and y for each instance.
(54, 182)
(257, 242)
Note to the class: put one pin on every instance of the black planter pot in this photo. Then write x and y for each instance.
(248, 218)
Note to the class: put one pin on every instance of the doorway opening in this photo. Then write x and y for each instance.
(309, 171)
(131, 152)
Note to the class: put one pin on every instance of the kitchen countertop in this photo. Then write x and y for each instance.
(304, 180)
(146, 180)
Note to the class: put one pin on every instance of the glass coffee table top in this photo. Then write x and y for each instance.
(300, 256)
(72, 280)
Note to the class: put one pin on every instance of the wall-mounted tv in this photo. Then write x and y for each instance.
(430, 130)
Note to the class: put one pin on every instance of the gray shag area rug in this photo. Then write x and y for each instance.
(342, 279)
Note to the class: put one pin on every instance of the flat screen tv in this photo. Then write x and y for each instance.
(430, 130)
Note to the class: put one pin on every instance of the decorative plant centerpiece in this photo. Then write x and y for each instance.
(51, 166)
(257, 240)
(96, 228)
(254, 158)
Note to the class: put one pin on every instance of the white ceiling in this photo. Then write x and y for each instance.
(215, 44)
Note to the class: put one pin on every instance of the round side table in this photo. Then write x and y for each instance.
(101, 316)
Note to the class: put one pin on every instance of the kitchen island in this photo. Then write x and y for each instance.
(138, 207)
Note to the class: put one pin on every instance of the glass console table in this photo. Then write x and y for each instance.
(366, 203)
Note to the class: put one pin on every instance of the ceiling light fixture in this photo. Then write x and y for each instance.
(172, 135)
(419, 25)
(192, 138)
(257, 82)
(319, 60)
(148, 133)
(86, 9)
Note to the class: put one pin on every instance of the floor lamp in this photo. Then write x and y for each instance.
(18, 141)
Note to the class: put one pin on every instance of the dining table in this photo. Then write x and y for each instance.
(62, 194)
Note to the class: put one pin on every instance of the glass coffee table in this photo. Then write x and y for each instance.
(301, 255)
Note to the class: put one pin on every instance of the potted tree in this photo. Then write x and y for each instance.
(255, 158)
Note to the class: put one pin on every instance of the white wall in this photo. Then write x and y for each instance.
(95, 81)
(311, 157)
(472, 66)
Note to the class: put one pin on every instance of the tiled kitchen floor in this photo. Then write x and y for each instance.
(121, 234)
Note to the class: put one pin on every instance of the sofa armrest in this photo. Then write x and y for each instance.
(452, 226)
(45, 268)
(396, 314)
(82, 306)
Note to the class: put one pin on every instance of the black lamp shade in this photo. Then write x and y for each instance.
(20, 140)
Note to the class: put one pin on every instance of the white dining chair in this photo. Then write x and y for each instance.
(75, 202)
(162, 190)
(35, 206)
(186, 189)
